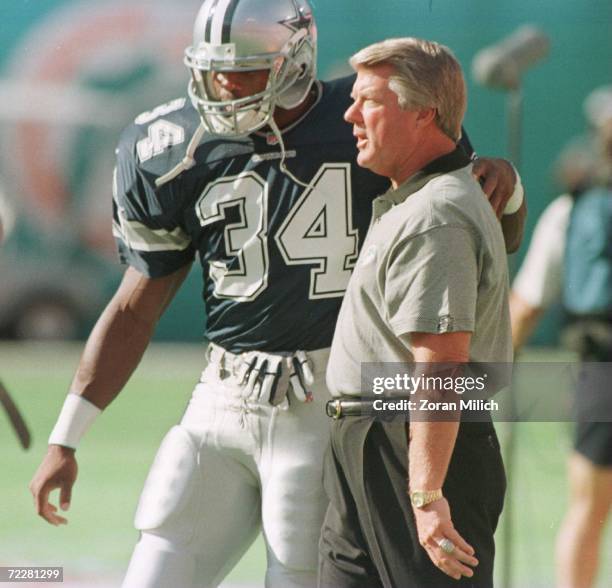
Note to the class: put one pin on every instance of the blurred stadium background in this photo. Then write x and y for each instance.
(72, 74)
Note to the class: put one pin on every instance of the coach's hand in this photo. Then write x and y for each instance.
(497, 178)
(433, 525)
(57, 470)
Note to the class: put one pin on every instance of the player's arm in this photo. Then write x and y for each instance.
(503, 187)
(430, 448)
(111, 354)
(122, 334)
(513, 227)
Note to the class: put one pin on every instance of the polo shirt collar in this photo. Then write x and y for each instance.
(442, 165)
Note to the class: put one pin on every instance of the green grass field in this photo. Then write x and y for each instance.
(115, 456)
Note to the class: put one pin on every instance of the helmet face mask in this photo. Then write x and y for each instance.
(278, 37)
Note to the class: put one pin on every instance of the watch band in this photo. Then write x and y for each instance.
(421, 498)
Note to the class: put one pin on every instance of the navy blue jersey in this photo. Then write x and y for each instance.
(276, 256)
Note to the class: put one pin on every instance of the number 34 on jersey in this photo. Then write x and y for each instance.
(318, 232)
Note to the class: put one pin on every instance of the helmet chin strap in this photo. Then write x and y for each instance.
(282, 165)
(187, 162)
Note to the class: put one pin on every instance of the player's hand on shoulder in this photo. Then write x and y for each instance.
(497, 178)
(434, 525)
(57, 470)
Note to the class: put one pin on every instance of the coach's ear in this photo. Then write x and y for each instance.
(426, 117)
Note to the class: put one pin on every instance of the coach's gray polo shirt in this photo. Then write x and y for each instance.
(433, 261)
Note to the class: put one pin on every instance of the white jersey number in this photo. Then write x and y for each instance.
(317, 231)
(160, 135)
(245, 240)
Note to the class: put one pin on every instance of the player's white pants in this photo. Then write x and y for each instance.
(233, 466)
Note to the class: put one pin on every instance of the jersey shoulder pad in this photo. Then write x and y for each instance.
(338, 91)
(157, 139)
(329, 112)
(153, 144)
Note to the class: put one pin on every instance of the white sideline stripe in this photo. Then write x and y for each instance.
(56, 103)
(139, 237)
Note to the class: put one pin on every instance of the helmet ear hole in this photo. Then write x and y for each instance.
(304, 63)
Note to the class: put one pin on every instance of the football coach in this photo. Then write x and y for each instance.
(415, 502)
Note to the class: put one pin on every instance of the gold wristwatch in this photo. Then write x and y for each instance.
(421, 498)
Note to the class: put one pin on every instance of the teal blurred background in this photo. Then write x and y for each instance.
(73, 73)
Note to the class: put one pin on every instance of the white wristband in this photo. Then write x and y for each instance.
(516, 200)
(75, 418)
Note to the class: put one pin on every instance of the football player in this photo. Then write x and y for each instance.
(254, 174)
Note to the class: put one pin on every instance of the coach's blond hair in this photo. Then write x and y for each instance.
(427, 76)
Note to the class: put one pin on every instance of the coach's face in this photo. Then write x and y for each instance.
(385, 133)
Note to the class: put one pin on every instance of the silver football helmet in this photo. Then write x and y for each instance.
(279, 36)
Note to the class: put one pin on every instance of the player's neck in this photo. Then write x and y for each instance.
(284, 118)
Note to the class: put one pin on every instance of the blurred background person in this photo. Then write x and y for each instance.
(570, 260)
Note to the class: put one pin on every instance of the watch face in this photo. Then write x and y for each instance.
(417, 499)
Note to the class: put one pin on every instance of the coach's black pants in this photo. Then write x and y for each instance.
(369, 537)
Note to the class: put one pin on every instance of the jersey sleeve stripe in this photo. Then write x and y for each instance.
(139, 237)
